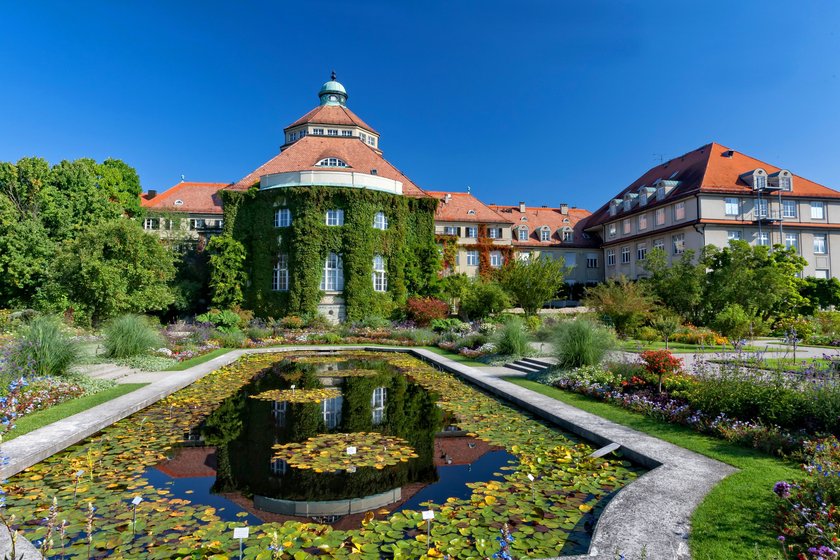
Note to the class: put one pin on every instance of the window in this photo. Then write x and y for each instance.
(568, 235)
(332, 162)
(612, 229)
(332, 279)
(371, 140)
(760, 182)
(761, 208)
(494, 233)
(642, 222)
(659, 244)
(789, 208)
(733, 206)
(678, 241)
(792, 241)
(496, 259)
(380, 278)
(628, 204)
(319, 131)
(821, 273)
(278, 410)
(679, 211)
(817, 210)
(363, 137)
(610, 257)
(472, 232)
(151, 223)
(641, 251)
(820, 245)
(659, 218)
(279, 467)
(591, 261)
(613, 210)
(332, 132)
(643, 198)
(283, 217)
(331, 411)
(785, 182)
(545, 235)
(626, 227)
(301, 134)
(380, 221)
(523, 234)
(660, 193)
(280, 282)
(196, 223)
(377, 405)
(731, 235)
(335, 217)
(762, 239)
(450, 230)
(292, 137)
(347, 133)
(472, 258)
(625, 255)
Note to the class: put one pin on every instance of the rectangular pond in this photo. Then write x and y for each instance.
(321, 454)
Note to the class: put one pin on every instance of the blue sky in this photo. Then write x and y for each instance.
(542, 101)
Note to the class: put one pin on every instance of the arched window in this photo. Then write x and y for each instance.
(332, 162)
(380, 278)
(282, 217)
(280, 282)
(332, 279)
(568, 234)
(380, 221)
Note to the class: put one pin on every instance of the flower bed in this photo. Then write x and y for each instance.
(22, 397)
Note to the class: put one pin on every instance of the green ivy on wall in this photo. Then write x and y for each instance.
(411, 256)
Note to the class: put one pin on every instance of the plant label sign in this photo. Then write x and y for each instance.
(136, 501)
(351, 450)
(240, 532)
(428, 515)
(530, 477)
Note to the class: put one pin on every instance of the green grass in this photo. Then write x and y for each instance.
(63, 410)
(187, 364)
(789, 364)
(455, 357)
(681, 347)
(735, 520)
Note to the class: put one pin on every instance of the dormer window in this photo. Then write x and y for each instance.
(628, 201)
(332, 162)
(179, 202)
(782, 180)
(660, 193)
(318, 131)
(614, 206)
(545, 234)
(522, 234)
(470, 212)
(568, 235)
(757, 179)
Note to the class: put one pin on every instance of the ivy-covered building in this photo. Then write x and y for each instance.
(328, 224)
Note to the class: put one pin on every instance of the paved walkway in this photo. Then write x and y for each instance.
(652, 514)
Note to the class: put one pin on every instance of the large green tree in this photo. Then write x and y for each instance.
(110, 268)
(227, 271)
(533, 282)
(624, 303)
(680, 286)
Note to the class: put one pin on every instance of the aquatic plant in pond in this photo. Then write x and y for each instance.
(298, 395)
(340, 452)
(547, 516)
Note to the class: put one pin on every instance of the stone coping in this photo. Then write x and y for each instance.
(349, 506)
(648, 518)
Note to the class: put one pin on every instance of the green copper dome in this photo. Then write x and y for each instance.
(333, 93)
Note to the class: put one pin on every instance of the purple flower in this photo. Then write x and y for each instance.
(782, 489)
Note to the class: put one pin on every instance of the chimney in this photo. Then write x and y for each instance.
(151, 194)
(564, 208)
(447, 198)
(522, 207)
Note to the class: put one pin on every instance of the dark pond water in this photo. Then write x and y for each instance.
(240, 434)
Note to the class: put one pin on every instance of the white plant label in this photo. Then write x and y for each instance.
(351, 450)
(136, 501)
(241, 532)
(530, 477)
(428, 515)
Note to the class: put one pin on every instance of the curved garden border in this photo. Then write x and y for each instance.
(649, 517)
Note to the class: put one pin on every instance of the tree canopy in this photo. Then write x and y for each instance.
(533, 282)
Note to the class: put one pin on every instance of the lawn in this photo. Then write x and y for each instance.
(789, 364)
(187, 364)
(454, 356)
(736, 518)
(682, 347)
(66, 409)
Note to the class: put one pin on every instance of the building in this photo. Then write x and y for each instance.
(474, 239)
(187, 212)
(328, 224)
(710, 196)
(556, 233)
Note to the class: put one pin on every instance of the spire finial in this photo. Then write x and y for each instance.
(332, 76)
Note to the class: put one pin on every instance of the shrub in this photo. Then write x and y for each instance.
(421, 337)
(292, 322)
(661, 363)
(424, 310)
(224, 321)
(43, 347)
(130, 335)
(803, 328)
(373, 322)
(258, 333)
(733, 322)
(317, 321)
(827, 323)
(533, 323)
(449, 325)
(623, 302)
(231, 339)
(512, 340)
(482, 299)
(472, 341)
(328, 338)
(648, 334)
(581, 343)
(694, 335)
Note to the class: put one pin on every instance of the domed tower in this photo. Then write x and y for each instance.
(329, 226)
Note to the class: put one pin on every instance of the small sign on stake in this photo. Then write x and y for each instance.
(240, 533)
(530, 477)
(428, 515)
(136, 501)
(351, 450)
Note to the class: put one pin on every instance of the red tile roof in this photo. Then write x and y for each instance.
(554, 219)
(309, 150)
(195, 198)
(459, 207)
(332, 114)
(712, 168)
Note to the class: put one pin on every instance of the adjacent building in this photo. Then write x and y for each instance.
(188, 212)
(711, 196)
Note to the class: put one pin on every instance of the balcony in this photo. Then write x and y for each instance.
(765, 217)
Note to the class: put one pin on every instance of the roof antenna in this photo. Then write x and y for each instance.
(332, 76)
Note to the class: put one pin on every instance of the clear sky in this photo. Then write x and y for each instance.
(543, 101)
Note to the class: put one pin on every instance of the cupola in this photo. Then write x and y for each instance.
(333, 93)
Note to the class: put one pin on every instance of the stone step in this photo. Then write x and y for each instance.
(542, 363)
(518, 365)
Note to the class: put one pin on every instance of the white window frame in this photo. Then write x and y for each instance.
(332, 275)
(380, 274)
(789, 209)
(522, 234)
(678, 243)
(659, 244)
(332, 132)
(792, 240)
(643, 221)
(151, 224)
(641, 251)
(450, 230)
(659, 217)
(817, 210)
(591, 261)
(380, 221)
(472, 258)
(545, 234)
(568, 235)
(679, 211)
(335, 217)
(612, 229)
(496, 259)
(732, 206)
(347, 133)
(318, 131)
(626, 226)
(280, 278)
(610, 257)
(471, 232)
(282, 217)
(762, 209)
(762, 239)
(331, 411)
(822, 273)
(196, 224)
(822, 247)
(625, 254)
(378, 401)
(332, 162)
(734, 235)
(494, 233)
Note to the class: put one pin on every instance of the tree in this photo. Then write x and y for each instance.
(483, 298)
(227, 271)
(623, 302)
(110, 269)
(666, 325)
(679, 286)
(820, 293)
(533, 282)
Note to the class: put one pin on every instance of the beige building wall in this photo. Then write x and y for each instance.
(464, 260)
(586, 264)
